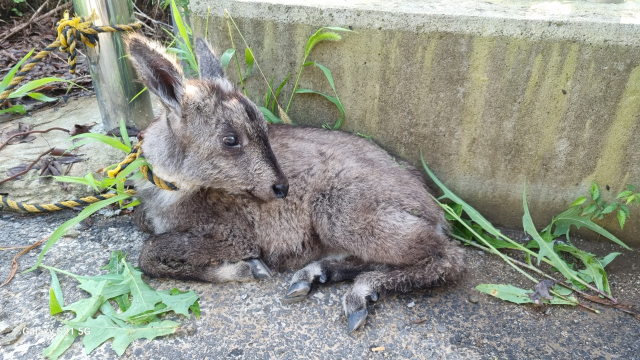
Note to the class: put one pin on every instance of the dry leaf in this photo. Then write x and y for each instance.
(14, 262)
(81, 129)
(22, 127)
(16, 170)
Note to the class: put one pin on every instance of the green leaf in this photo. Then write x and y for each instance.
(226, 57)
(115, 265)
(624, 194)
(631, 187)
(267, 96)
(249, 60)
(320, 36)
(103, 139)
(546, 249)
(609, 208)
(506, 292)
(34, 84)
(561, 290)
(595, 192)
(124, 134)
(62, 229)
(579, 201)
(7, 78)
(275, 98)
(593, 267)
(41, 97)
(609, 258)
(60, 344)
(178, 303)
(622, 217)
(572, 216)
(138, 94)
(103, 328)
(269, 116)
(112, 290)
(144, 297)
(15, 109)
(589, 209)
(334, 100)
(182, 29)
(56, 300)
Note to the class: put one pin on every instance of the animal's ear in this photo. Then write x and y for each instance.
(210, 67)
(158, 71)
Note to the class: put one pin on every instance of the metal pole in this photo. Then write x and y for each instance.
(114, 79)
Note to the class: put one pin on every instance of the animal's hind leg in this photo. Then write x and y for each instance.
(446, 265)
(330, 269)
(185, 255)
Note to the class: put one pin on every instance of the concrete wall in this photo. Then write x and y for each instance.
(491, 93)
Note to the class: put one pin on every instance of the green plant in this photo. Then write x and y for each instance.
(323, 34)
(26, 89)
(598, 209)
(182, 46)
(473, 229)
(141, 308)
(106, 184)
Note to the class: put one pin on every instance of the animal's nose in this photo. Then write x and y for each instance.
(280, 190)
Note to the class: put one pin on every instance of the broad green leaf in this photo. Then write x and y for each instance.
(609, 208)
(624, 194)
(269, 116)
(144, 298)
(7, 78)
(506, 292)
(609, 258)
(61, 342)
(103, 328)
(41, 97)
(115, 265)
(589, 209)
(226, 57)
(579, 201)
(62, 229)
(110, 291)
(16, 109)
(103, 139)
(54, 305)
(56, 299)
(562, 290)
(87, 307)
(124, 134)
(249, 60)
(593, 267)
(572, 217)
(625, 209)
(595, 192)
(318, 37)
(546, 249)
(178, 303)
(631, 187)
(558, 301)
(622, 217)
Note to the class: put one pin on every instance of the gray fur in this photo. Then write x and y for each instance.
(351, 208)
(209, 66)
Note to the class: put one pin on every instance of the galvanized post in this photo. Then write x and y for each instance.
(114, 79)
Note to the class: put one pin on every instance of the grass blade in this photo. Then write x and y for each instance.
(226, 57)
(103, 139)
(7, 78)
(124, 134)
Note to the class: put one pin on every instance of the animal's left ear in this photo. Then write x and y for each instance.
(210, 67)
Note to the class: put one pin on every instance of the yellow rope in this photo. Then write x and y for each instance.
(69, 30)
(59, 205)
(136, 152)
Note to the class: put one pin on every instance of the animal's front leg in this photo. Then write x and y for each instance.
(195, 256)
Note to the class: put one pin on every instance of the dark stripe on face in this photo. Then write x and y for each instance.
(253, 115)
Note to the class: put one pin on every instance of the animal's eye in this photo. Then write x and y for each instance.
(230, 141)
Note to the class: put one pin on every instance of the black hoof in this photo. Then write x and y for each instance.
(259, 270)
(356, 319)
(297, 292)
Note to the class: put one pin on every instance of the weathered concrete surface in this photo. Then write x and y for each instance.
(249, 321)
(492, 92)
(98, 155)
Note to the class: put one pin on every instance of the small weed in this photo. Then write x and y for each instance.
(141, 308)
(27, 89)
(598, 209)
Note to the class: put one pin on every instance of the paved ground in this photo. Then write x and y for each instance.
(249, 321)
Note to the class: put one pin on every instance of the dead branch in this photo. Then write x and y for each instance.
(31, 132)
(19, 28)
(28, 167)
(14, 263)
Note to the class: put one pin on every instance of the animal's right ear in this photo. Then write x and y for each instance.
(209, 66)
(158, 71)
